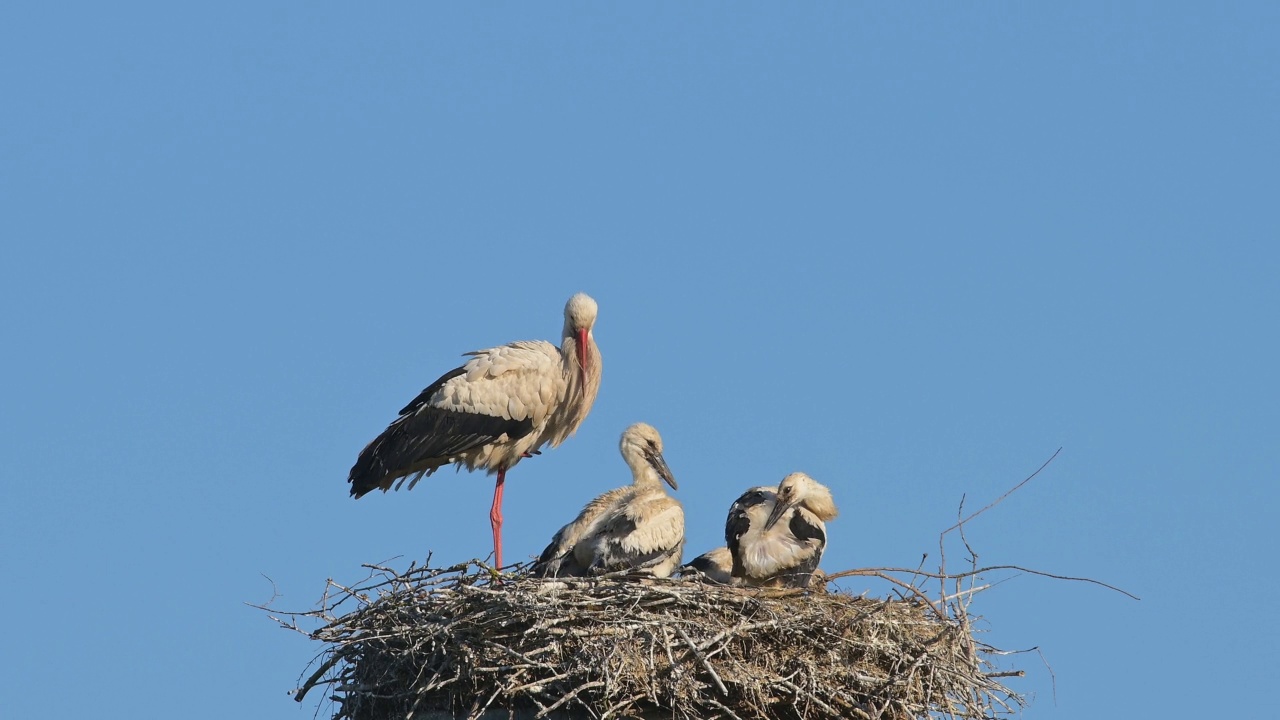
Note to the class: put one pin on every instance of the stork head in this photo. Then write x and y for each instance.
(579, 318)
(800, 489)
(641, 447)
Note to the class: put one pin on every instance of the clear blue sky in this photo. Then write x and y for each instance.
(910, 250)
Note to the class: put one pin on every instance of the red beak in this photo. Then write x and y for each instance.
(582, 355)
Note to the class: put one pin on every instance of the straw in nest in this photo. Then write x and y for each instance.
(454, 640)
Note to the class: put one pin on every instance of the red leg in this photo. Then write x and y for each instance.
(495, 518)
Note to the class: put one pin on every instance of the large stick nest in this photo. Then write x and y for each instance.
(404, 644)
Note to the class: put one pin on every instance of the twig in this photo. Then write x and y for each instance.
(315, 676)
(720, 706)
(1011, 491)
(878, 572)
(576, 691)
(965, 593)
(701, 659)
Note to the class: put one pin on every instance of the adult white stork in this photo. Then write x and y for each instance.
(776, 535)
(500, 406)
(713, 566)
(637, 526)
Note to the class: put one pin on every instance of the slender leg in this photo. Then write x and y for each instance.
(495, 518)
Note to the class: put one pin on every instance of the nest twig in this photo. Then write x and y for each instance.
(456, 640)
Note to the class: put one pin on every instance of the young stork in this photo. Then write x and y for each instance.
(776, 535)
(637, 526)
(715, 566)
(502, 405)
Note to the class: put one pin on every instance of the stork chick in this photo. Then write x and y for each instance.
(776, 536)
(502, 405)
(637, 526)
(713, 566)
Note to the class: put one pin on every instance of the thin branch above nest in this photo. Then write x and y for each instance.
(455, 640)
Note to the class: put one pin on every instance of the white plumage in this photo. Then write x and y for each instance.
(776, 536)
(637, 526)
(500, 406)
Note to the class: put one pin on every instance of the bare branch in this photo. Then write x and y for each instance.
(879, 572)
(1011, 491)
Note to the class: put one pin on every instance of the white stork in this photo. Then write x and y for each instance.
(713, 566)
(776, 535)
(637, 526)
(502, 405)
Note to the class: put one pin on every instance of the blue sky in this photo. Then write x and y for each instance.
(910, 250)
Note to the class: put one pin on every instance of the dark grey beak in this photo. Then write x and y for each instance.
(659, 463)
(780, 508)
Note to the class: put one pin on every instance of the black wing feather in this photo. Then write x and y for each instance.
(426, 437)
(554, 562)
(737, 525)
(703, 564)
(803, 530)
(706, 564)
(424, 397)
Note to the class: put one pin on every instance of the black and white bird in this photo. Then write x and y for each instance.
(500, 406)
(776, 535)
(713, 566)
(638, 526)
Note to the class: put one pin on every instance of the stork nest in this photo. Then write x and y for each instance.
(457, 641)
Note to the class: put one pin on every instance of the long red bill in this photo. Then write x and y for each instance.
(582, 355)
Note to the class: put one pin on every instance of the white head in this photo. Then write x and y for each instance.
(800, 489)
(579, 318)
(641, 447)
(580, 312)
